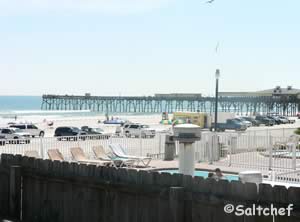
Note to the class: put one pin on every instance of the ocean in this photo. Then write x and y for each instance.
(19, 103)
(28, 108)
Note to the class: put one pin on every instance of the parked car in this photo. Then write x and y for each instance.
(292, 121)
(275, 118)
(115, 121)
(95, 133)
(14, 135)
(69, 133)
(264, 120)
(126, 125)
(137, 130)
(232, 124)
(2, 140)
(283, 119)
(251, 119)
(246, 122)
(32, 129)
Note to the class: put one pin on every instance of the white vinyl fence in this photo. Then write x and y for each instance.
(269, 153)
(133, 146)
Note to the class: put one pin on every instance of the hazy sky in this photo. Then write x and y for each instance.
(142, 47)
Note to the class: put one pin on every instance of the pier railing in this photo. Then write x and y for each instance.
(158, 104)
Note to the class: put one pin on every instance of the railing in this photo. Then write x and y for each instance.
(283, 131)
(238, 150)
(288, 177)
(248, 151)
(133, 146)
(263, 153)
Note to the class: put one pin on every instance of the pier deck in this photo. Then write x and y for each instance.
(248, 105)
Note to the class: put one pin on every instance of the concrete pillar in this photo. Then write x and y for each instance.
(187, 158)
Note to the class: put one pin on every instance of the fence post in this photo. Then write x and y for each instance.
(141, 143)
(294, 162)
(159, 143)
(255, 140)
(176, 201)
(41, 148)
(270, 142)
(77, 138)
(15, 192)
(230, 150)
(248, 143)
(210, 149)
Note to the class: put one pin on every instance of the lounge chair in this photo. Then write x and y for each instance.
(120, 162)
(32, 153)
(118, 150)
(80, 157)
(54, 154)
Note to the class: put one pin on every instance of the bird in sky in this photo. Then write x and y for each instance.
(210, 1)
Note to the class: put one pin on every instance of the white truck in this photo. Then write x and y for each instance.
(137, 130)
(222, 117)
(14, 135)
(32, 129)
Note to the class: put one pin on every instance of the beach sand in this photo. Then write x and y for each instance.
(150, 119)
(93, 121)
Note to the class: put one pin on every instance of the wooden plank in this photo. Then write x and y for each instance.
(163, 202)
(44, 186)
(176, 201)
(54, 195)
(266, 193)
(15, 192)
(146, 204)
(294, 198)
(4, 191)
(187, 182)
(176, 180)
(132, 176)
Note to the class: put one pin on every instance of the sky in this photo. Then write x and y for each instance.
(143, 47)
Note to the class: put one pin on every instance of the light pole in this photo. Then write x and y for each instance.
(217, 75)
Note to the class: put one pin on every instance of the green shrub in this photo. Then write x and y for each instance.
(297, 131)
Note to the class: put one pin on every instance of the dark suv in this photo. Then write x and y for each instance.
(265, 120)
(276, 119)
(95, 133)
(251, 120)
(69, 133)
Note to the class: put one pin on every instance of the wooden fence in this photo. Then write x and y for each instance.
(39, 190)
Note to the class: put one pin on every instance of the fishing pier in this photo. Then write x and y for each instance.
(283, 101)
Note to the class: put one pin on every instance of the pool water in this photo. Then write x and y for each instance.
(204, 174)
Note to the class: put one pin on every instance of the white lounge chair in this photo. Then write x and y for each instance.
(80, 157)
(118, 150)
(55, 154)
(32, 153)
(118, 161)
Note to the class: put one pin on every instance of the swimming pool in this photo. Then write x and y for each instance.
(204, 174)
